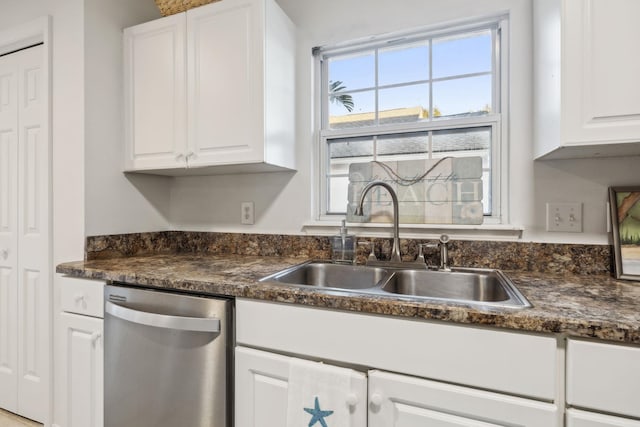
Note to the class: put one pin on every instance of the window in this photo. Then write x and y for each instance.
(423, 95)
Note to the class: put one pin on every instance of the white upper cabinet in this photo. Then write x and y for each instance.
(587, 91)
(155, 102)
(211, 91)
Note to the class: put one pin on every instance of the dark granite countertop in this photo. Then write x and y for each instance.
(594, 306)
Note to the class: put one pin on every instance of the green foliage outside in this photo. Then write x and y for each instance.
(345, 100)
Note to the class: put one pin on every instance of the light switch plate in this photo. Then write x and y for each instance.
(565, 217)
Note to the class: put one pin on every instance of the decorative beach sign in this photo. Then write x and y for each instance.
(625, 220)
(435, 191)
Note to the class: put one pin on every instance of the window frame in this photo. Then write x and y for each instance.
(497, 120)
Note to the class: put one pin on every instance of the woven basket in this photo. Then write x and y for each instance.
(170, 7)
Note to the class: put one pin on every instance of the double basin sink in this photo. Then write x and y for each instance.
(472, 286)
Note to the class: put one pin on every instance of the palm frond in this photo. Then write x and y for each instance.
(345, 100)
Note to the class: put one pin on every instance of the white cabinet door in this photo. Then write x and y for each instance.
(587, 99)
(601, 85)
(225, 80)
(261, 387)
(577, 418)
(613, 387)
(402, 401)
(82, 353)
(155, 94)
(25, 273)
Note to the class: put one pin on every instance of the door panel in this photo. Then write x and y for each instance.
(34, 260)
(262, 386)
(25, 261)
(225, 123)
(577, 418)
(601, 79)
(8, 232)
(403, 401)
(155, 94)
(84, 360)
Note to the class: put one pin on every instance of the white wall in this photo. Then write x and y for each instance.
(284, 201)
(114, 203)
(87, 128)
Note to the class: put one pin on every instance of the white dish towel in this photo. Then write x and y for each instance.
(320, 395)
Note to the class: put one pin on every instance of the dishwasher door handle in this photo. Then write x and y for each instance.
(196, 324)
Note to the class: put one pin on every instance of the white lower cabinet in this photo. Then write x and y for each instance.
(83, 365)
(262, 387)
(602, 378)
(403, 401)
(577, 418)
(80, 355)
(519, 369)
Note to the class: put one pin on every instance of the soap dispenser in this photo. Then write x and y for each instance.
(343, 246)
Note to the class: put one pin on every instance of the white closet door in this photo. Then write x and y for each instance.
(8, 232)
(34, 260)
(25, 263)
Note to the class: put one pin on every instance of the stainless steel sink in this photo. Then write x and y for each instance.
(327, 275)
(471, 286)
(479, 286)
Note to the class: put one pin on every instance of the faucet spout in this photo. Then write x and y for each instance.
(395, 251)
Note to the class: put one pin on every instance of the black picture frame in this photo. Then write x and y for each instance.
(625, 227)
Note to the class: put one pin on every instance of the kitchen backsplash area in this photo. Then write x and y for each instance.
(523, 256)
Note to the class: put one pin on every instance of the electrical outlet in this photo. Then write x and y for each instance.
(564, 217)
(246, 213)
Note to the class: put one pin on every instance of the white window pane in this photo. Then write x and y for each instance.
(462, 143)
(404, 104)
(362, 112)
(350, 150)
(403, 64)
(408, 146)
(462, 97)
(353, 71)
(338, 187)
(458, 55)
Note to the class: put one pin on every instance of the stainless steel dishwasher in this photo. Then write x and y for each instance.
(167, 359)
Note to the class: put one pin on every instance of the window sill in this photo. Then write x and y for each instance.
(495, 232)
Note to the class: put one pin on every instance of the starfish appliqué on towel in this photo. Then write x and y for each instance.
(318, 414)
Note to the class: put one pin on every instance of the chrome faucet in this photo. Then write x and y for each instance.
(395, 251)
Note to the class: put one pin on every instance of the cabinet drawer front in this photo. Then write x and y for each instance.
(604, 377)
(82, 296)
(577, 418)
(399, 400)
(517, 363)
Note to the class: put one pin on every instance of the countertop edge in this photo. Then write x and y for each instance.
(545, 317)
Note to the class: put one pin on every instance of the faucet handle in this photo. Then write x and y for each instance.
(372, 255)
(420, 256)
